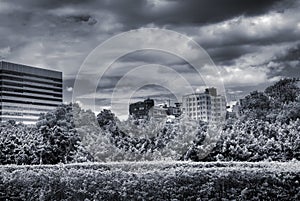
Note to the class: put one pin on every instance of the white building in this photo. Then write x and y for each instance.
(207, 106)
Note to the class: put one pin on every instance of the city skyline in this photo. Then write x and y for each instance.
(255, 43)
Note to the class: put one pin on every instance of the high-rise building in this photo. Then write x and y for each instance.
(28, 91)
(207, 106)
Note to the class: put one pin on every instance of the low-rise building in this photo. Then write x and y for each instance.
(158, 112)
(174, 110)
(146, 109)
(140, 110)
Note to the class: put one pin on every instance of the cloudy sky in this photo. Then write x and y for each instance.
(253, 43)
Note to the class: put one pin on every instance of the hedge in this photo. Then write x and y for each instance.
(152, 181)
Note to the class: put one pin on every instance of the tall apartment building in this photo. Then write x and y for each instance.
(27, 91)
(208, 106)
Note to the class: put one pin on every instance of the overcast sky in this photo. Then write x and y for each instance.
(253, 42)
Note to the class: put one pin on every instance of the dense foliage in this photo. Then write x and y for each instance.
(152, 181)
(136, 140)
(284, 91)
(258, 140)
(279, 102)
(19, 144)
(268, 129)
(52, 140)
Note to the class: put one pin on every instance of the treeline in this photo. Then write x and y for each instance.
(52, 140)
(278, 103)
(267, 129)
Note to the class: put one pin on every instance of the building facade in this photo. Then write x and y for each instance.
(208, 106)
(140, 110)
(158, 112)
(174, 110)
(27, 91)
(146, 109)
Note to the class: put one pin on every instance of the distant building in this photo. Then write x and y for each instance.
(174, 110)
(207, 106)
(158, 112)
(146, 109)
(234, 110)
(140, 110)
(28, 91)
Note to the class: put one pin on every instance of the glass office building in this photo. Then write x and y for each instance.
(28, 91)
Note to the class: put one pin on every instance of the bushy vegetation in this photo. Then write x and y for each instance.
(152, 181)
(267, 129)
(257, 140)
(136, 140)
(52, 140)
(278, 103)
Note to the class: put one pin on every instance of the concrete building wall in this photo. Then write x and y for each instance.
(208, 106)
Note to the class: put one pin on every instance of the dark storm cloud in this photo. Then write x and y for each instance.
(289, 60)
(49, 4)
(137, 13)
(150, 56)
(82, 19)
(292, 54)
(144, 57)
(252, 40)
(226, 55)
(68, 20)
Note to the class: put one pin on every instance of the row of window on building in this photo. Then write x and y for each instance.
(207, 106)
(27, 91)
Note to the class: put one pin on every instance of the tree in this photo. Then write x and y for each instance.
(255, 106)
(106, 118)
(19, 144)
(61, 141)
(284, 91)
